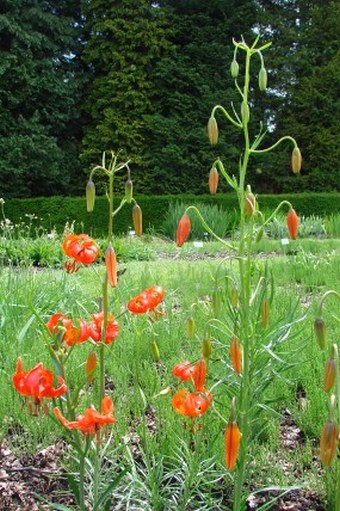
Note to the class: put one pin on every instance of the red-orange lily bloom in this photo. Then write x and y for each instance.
(195, 372)
(92, 421)
(72, 333)
(81, 248)
(147, 300)
(38, 382)
(95, 328)
(191, 404)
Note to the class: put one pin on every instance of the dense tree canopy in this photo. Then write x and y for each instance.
(81, 76)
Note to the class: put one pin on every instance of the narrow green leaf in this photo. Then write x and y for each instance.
(24, 329)
(74, 486)
(109, 489)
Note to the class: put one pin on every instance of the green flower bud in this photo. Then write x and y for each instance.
(217, 301)
(320, 332)
(155, 351)
(190, 327)
(206, 348)
(90, 195)
(213, 131)
(263, 79)
(128, 191)
(296, 160)
(234, 68)
(245, 112)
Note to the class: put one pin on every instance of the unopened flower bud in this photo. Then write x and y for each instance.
(250, 202)
(236, 355)
(216, 298)
(329, 443)
(111, 265)
(213, 131)
(320, 332)
(245, 112)
(155, 351)
(234, 69)
(137, 219)
(265, 313)
(206, 348)
(263, 79)
(296, 160)
(330, 373)
(190, 327)
(128, 191)
(183, 230)
(259, 235)
(233, 297)
(90, 195)
(213, 180)
(90, 367)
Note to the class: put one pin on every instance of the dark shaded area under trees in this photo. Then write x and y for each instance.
(81, 76)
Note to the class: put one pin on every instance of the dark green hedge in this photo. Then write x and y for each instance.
(56, 211)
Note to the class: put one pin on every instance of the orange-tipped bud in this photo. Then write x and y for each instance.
(236, 355)
(265, 313)
(292, 223)
(232, 439)
(200, 374)
(329, 443)
(91, 364)
(90, 195)
(111, 265)
(320, 332)
(296, 160)
(183, 230)
(213, 131)
(250, 204)
(213, 180)
(206, 348)
(137, 219)
(330, 373)
(155, 351)
(190, 327)
(128, 191)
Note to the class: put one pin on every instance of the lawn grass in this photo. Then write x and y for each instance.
(165, 473)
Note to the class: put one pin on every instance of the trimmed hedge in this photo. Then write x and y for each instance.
(56, 211)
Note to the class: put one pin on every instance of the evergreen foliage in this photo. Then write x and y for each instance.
(38, 97)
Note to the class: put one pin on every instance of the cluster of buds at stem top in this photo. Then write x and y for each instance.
(250, 202)
(183, 230)
(137, 219)
(292, 223)
(90, 195)
(296, 160)
(212, 130)
(213, 180)
(232, 439)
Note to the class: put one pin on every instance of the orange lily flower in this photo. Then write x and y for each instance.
(184, 371)
(147, 300)
(95, 328)
(38, 382)
(191, 404)
(81, 248)
(72, 334)
(195, 372)
(92, 421)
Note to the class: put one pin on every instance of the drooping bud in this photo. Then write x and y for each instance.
(292, 224)
(213, 131)
(236, 355)
(234, 68)
(111, 265)
(91, 364)
(265, 313)
(232, 439)
(263, 79)
(128, 190)
(190, 327)
(330, 373)
(296, 160)
(250, 202)
(320, 332)
(216, 300)
(206, 348)
(137, 218)
(213, 180)
(245, 112)
(155, 351)
(329, 443)
(183, 230)
(90, 195)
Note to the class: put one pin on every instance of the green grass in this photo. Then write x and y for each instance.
(165, 473)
